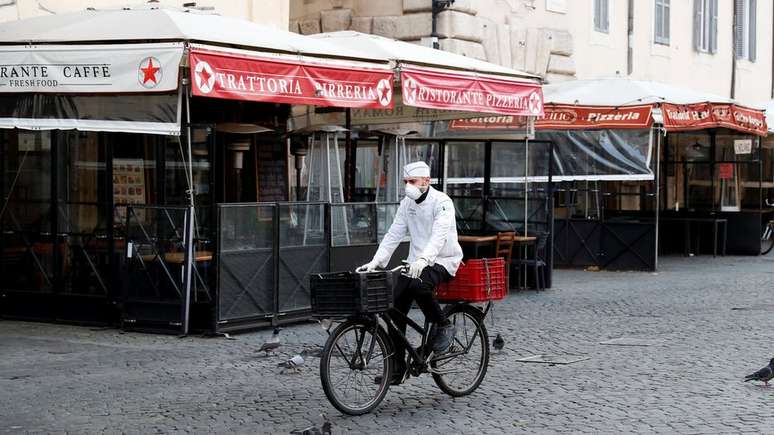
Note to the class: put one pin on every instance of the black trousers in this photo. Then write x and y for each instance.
(420, 290)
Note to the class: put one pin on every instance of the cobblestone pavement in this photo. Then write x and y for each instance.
(56, 378)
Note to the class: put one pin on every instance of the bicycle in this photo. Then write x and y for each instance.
(767, 242)
(361, 349)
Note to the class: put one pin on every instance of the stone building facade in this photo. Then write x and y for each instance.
(569, 39)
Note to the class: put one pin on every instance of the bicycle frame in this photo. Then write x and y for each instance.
(416, 357)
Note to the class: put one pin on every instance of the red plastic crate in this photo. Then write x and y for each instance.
(477, 280)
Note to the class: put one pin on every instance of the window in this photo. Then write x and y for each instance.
(662, 22)
(601, 16)
(705, 26)
(744, 29)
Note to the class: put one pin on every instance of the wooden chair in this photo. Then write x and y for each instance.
(504, 249)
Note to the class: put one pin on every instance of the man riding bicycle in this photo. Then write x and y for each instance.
(427, 216)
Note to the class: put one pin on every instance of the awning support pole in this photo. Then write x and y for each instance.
(658, 197)
(190, 221)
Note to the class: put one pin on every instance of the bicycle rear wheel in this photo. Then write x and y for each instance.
(355, 355)
(767, 241)
(460, 370)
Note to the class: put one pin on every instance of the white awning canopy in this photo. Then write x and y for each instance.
(619, 92)
(96, 55)
(769, 108)
(405, 53)
(156, 23)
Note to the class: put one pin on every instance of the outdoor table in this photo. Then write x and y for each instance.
(476, 242)
(715, 222)
(179, 257)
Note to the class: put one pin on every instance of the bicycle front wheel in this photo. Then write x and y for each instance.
(767, 241)
(355, 366)
(460, 370)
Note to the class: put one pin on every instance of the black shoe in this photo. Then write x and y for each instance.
(443, 337)
(398, 374)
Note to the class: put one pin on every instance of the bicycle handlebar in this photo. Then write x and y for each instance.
(403, 268)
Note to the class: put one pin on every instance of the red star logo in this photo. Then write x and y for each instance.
(205, 75)
(149, 72)
(384, 89)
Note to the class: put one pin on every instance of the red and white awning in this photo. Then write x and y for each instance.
(443, 81)
(447, 90)
(623, 103)
(241, 75)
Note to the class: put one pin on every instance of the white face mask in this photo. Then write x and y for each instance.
(413, 192)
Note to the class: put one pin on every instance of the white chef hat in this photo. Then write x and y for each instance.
(416, 169)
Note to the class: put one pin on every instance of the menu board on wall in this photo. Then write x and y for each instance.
(128, 185)
(272, 171)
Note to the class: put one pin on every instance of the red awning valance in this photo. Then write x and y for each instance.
(710, 115)
(675, 118)
(240, 76)
(435, 89)
(565, 116)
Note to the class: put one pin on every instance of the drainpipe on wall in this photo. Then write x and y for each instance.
(630, 38)
(733, 53)
(772, 56)
(437, 7)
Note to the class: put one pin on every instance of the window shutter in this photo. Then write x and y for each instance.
(597, 15)
(606, 16)
(665, 13)
(659, 21)
(739, 28)
(697, 24)
(713, 34)
(751, 48)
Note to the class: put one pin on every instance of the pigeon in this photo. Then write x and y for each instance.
(314, 430)
(498, 342)
(326, 324)
(315, 352)
(272, 344)
(765, 374)
(292, 364)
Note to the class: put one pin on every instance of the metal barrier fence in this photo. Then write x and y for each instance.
(266, 252)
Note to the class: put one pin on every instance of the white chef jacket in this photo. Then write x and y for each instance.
(432, 228)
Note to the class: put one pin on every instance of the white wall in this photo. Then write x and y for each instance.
(268, 12)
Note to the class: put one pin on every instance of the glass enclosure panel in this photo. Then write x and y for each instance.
(134, 173)
(176, 178)
(736, 147)
(361, 223)
(28, 253)
(508, 196)
(690, 147)
(367, 171)
(84, 213)
(385, 214)
(465, 165)
(427, 152)
(699, 186)
(353, 224)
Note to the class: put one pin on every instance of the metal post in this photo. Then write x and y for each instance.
(526, 186)
(658, 198)
(190, 220)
